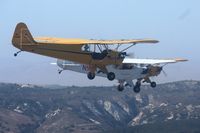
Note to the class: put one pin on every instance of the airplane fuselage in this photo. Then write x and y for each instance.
(125, 73)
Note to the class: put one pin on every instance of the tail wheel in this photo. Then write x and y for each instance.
(153, 84)
(111, 76)
(91, 75)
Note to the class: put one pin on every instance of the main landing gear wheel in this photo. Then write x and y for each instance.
(153, 84)
(91, 75)
(136, 88)
(120, 88)
(111, 76)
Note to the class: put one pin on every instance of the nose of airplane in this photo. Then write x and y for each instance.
(153, 70)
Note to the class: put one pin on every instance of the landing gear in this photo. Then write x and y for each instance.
(136, 88)
(91, 75)
(121, 85)
(111, 76)
(15, 54)
(128, 84)
(60, 71)
(153, 84)
(120, 88)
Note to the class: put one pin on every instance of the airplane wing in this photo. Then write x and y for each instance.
(52, 40)
(122, 41)
(151, 61)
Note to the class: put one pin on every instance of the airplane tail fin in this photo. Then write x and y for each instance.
(22, 36)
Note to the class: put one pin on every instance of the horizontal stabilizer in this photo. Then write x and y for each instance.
(65, 64)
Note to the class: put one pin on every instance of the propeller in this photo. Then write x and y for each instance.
(130, 55)
(154, 69)
(162, 70)
(164, 73)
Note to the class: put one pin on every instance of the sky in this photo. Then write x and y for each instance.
(175, 23)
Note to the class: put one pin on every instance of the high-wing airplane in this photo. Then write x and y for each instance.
(94, 57)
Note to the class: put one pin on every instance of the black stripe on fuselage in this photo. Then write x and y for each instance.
(65, 51)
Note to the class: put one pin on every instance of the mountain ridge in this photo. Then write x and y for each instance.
(95, 109)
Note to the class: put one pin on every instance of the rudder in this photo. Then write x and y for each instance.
(22, 36)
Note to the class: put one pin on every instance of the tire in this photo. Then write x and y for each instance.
(153, 84)
(91, 76)
(136, 89)
(120, 88)
(111, 76)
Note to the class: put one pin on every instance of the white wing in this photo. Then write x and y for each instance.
(151, 61)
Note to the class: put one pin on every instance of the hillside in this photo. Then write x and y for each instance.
(43, 109)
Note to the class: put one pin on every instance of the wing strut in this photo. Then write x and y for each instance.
(99, 48)
(128, 47)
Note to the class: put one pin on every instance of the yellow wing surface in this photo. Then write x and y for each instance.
(23, 32)
(52, 40)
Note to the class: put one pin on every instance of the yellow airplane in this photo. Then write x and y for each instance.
(96, 54)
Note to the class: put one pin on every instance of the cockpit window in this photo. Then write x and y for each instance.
(86, 48)
(126, 66)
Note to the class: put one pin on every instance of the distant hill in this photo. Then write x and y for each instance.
(171, 107)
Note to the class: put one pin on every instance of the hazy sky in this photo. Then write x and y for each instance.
(176, 23)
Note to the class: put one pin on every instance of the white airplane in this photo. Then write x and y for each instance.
(131, 69)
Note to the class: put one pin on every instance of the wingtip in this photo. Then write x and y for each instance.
(152, 41)
(181, 60)
(155, 41)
